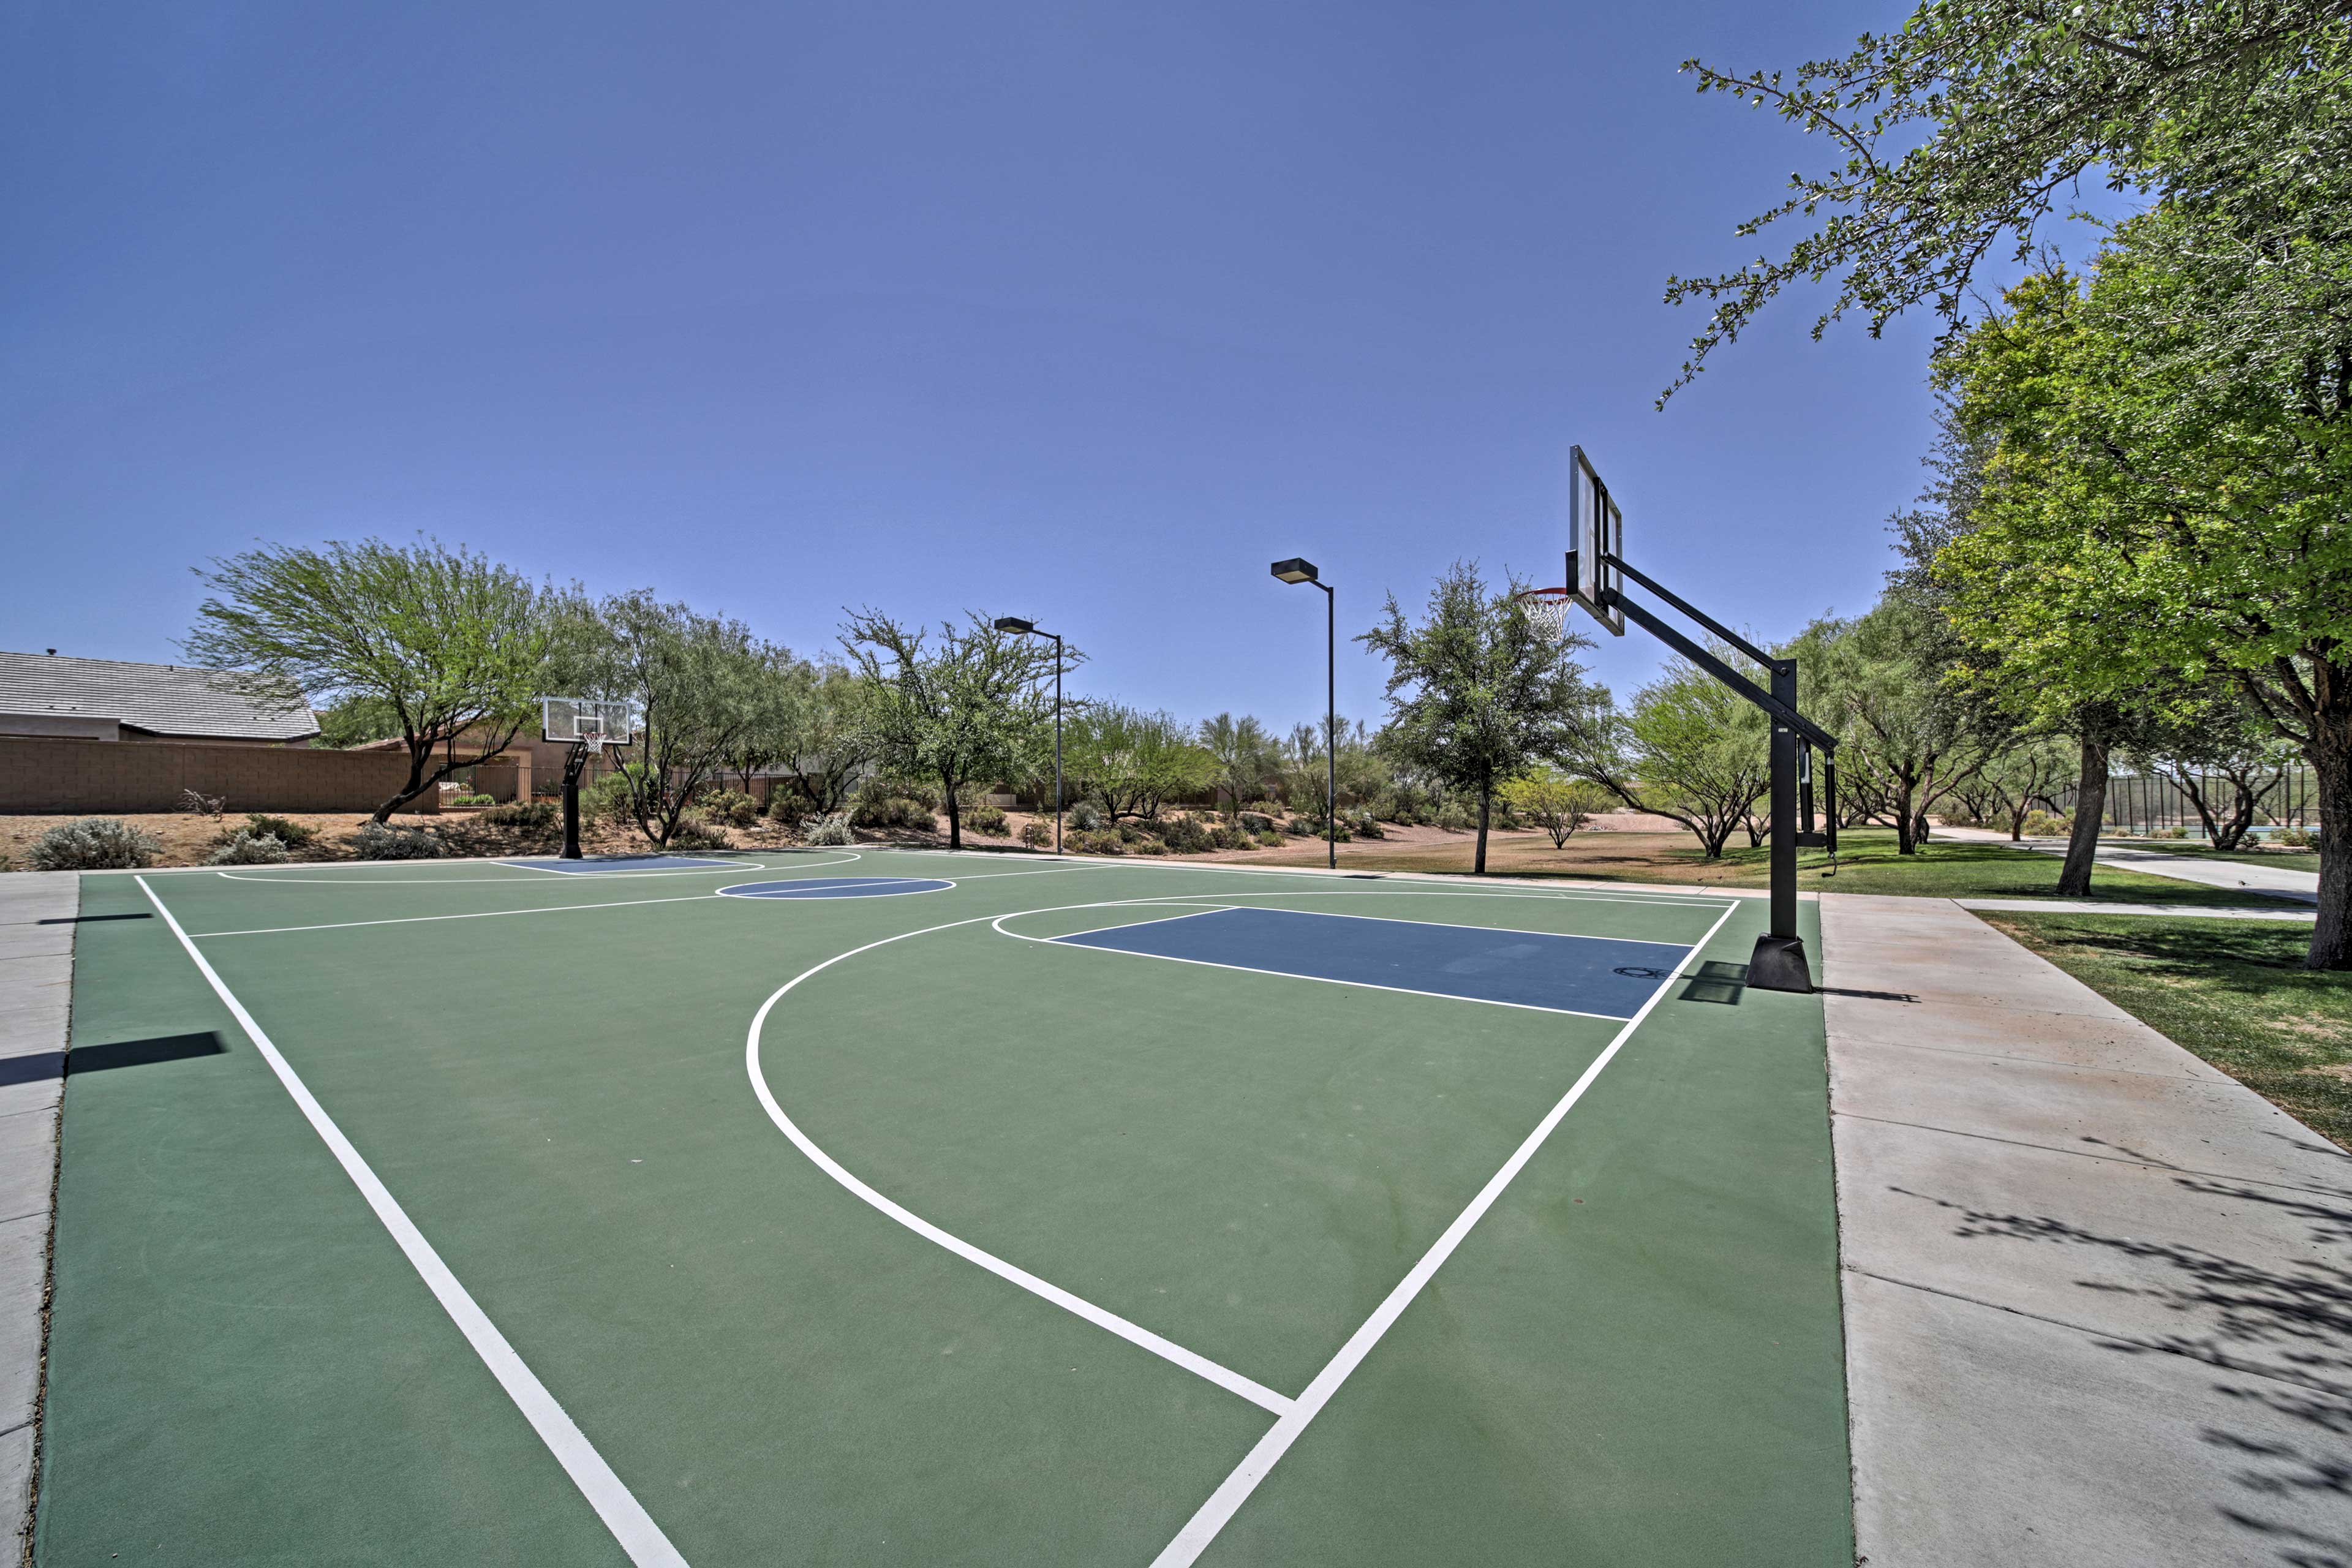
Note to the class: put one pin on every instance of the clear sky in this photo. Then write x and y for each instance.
(1079, 312)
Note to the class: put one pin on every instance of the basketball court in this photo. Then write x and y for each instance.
(865, 1207)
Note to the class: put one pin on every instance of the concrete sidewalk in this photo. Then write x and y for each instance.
(2098, 1305)
(2172, 911)
(2269, 882)
(37, 910)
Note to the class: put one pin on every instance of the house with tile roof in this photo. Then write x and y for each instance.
(51, 694)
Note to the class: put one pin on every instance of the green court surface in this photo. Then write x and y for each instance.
(471, 1211)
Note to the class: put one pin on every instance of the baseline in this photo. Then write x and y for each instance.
(631, 1526)
(838, 887)
(370, 882)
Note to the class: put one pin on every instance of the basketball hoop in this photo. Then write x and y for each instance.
(1548, 608)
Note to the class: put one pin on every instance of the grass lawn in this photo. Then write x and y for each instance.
(2235, 992)
(2292, 859)
(1867, 863)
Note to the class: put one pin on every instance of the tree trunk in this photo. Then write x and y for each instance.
(1920, 830)
(2330, 755)
(2090, 806)
(955, 821)
(1905, 842)
(1486, 803)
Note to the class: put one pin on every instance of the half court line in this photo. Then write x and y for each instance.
(1227, 1499)
(630, 1524)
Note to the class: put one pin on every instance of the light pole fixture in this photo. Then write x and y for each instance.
(1029, 628)
(1296, 570)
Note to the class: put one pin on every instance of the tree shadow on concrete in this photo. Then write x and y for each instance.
(2284, 1332)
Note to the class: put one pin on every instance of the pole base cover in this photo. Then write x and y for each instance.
(1779, 964)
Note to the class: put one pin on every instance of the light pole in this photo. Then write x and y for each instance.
(1296, 570)
(1029, 628)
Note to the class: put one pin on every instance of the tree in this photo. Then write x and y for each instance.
(1691, 748)
(775, 700)
(1909, 736)
(441, 643)
(2232, 111)
(1555, 801)
(1134, 763)
(2212, 732)
(971, 709)
(2157, 514)
(830, 738)
(2027, 777)
(1480, 690)
(1243, 754)
(696, 681)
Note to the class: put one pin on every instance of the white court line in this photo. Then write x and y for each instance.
(476, 915)
(1136, 1335)
(631, 1526)
(656, 855)
(1451, 884)
(1212, 1515)
(335, 881)
(1450, 925)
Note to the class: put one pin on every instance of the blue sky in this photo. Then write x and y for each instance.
(1079, 312)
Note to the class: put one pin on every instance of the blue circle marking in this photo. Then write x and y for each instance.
(837, 887)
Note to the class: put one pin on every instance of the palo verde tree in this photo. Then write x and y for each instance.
(1557, 802)
(2161, 511)
(1244, 756)
(1911, 738)
(439, 643)
(1480, 690)
(697, 681)
(1690, 749)
(829, 741)
(1133, 763)
(2233, 111)
(974, 707)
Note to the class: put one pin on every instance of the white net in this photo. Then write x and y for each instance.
(1548, 608)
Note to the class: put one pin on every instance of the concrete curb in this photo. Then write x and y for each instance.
(2096, 1306)
(37, 910)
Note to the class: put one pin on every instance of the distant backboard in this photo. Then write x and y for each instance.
(1596, 534)
(586, 720)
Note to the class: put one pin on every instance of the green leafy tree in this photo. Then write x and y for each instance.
(1244, 756)
(2026, 777)
(1690, 749)
(1557, 802)
(1910, 738)
(1132, 763)
(972, 708)
(2223, 757)
(432, 642)
(696, 679)
(830, 739)
(1955, 133)
(1478, 691)
(2157, 515)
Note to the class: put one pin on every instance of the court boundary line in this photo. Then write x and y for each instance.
(1214, 1514)
(469, 915)
(467, 881)
(845, 888)
(1513, 930)
(631, 1526)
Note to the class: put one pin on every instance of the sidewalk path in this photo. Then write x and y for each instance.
(2098, 1298)
(2270, 881)
(2093, 907)
(37, 910)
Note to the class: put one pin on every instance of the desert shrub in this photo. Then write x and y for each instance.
(1148, 846)
(199, 803)
(693, 833)
(1362, 824)
(892, 811)
(93, 843)
(471, 801)
(606, 799)
(832, 829)
(732, 806)
(380, 841)
(883, 787)
(986, 819)
(1130, 833)
(1186, 836)
(522, 814)
(2168, 832)
(1086, 816)
(2294, 837)
(292, 834)
(1097, 842)
(251, 848)
(1269, 840)
(1255, 822)
(2047, 825)
(1455, 817)
(1037, 832)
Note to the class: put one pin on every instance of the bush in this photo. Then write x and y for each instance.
(893, 811)
(251, 848)
(522, 814)
(1255, 822)
(1037, 832)
(1363, 825)
(471, 801)
(1455, 817)
(380, 841)
(1099, 842)
(693, 833)
(1186, 836)
(732, 806)
(2294, 837)
(607, 800)
(880, 788)
(986, 819)
(1149, 847)
(1129, 833)
(93, 843)
(202, 805)
(292, 834)
(2045, 824)
(1086, 816)
(832, 829)
(1269, 840)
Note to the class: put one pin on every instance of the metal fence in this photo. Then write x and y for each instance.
(2145, 802)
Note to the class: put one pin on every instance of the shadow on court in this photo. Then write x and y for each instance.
(130, 1054)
